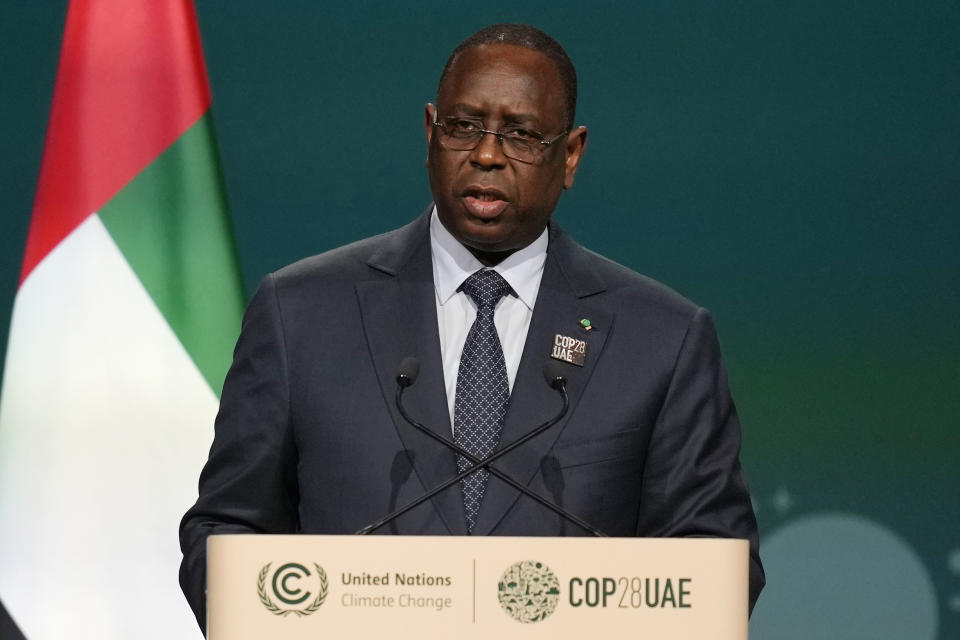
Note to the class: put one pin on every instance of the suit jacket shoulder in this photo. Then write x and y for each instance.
(370, 258)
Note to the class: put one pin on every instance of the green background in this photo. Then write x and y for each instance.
(792, 166)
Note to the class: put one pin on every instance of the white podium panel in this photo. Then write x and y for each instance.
(300, 587)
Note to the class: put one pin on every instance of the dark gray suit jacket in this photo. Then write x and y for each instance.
(308, 439)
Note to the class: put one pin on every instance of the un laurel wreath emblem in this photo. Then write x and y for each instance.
(287, 585)
(528, 591)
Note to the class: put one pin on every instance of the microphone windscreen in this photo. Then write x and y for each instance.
(553, 372)
(408, 370)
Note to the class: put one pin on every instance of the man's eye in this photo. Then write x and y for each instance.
(464, 126)
(524, 135)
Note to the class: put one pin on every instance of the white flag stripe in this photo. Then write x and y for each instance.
(104, 425)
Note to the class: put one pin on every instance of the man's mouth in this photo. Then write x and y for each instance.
(485, 202)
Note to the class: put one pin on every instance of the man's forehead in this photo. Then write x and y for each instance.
(502, 55)
(527, 78)
(517, 114)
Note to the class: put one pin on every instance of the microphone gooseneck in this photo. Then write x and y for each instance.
(406, 376)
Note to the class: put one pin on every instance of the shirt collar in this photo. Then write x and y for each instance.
(453, 263)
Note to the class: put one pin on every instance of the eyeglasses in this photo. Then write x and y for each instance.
(464, 134)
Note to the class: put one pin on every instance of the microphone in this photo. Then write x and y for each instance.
(553, 373)
(407, 371)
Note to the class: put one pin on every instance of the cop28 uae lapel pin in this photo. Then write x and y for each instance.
(568, 349)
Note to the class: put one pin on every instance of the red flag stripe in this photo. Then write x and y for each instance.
(131, 80)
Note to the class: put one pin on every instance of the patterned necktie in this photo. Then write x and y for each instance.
(482, 390)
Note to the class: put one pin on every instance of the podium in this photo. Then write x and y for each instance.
(299, 587)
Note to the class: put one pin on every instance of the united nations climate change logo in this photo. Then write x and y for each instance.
(528, 591)
(291, 584)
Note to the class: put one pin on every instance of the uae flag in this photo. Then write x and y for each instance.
(128, 306)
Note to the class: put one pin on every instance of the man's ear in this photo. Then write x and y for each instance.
(429, 116)
(576, 144)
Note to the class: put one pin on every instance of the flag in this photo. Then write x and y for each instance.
(128, 306)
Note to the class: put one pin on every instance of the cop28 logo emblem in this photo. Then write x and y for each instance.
(528, 591)
(292, 585)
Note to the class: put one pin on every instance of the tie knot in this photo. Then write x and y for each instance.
(486, 287)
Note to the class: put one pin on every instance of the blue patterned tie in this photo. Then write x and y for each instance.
(482, 390)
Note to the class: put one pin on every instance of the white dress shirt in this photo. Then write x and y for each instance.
(456, 311)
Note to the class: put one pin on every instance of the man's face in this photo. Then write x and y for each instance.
(493, 204)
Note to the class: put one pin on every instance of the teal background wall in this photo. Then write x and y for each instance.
(793, 166)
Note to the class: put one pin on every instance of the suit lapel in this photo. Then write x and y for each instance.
(562, 302)
(400, 320)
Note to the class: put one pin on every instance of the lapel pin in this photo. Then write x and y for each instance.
(586, 324)
(567, 349)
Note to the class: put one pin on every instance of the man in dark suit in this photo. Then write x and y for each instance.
(308, 438)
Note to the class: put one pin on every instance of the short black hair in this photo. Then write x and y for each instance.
(523, 35)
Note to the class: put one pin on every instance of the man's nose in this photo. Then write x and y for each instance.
(489, 152)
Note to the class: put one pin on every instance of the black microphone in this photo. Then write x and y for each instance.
(553, 373)
(408, 371)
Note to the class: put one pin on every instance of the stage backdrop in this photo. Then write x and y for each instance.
(794, 167)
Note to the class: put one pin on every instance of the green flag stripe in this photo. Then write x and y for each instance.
(172, 224)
